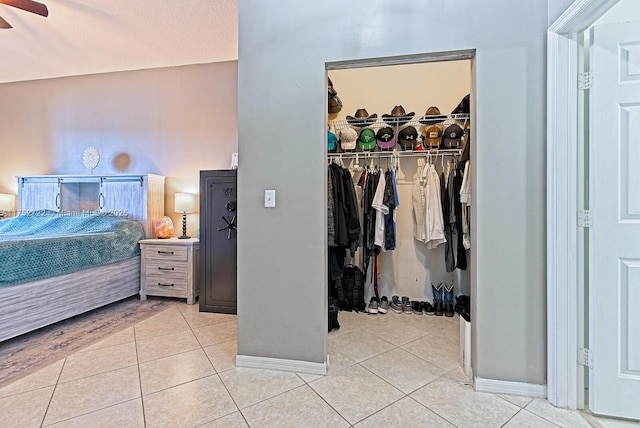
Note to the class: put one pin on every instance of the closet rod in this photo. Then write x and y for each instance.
(420, 153)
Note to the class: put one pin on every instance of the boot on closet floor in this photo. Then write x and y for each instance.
(437, 299)
(448, 300)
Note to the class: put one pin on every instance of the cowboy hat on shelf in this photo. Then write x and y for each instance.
(398, 116)
(432, 116)
(362, 118)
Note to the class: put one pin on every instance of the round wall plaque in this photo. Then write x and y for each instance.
(90, 158)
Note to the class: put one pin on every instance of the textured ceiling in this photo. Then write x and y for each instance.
(98, 36)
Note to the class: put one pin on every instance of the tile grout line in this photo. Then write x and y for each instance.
(106, 407)
(433, 411)
(329, 404)
(217, 374)
(55, 387)
(135, 341)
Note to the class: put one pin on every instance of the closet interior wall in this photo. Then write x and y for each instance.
(410, 269)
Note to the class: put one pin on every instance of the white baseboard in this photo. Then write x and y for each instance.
(513, 388)
(280, 364)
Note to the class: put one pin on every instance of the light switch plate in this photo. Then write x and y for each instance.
(269, 198)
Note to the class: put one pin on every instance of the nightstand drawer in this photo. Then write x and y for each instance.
(159, 286)
(167, 269)
(166, 252)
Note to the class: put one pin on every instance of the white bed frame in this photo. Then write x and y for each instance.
(29, 306)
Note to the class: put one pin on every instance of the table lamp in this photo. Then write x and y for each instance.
(185, 203)
(7, 203)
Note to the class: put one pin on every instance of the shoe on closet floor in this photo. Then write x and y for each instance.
(427, 308)
(396, 304)
(406, 305)
(372, 307)
(416, 307)
(462, 307)
(383, 307)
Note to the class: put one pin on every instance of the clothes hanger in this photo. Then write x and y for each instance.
(356, 164)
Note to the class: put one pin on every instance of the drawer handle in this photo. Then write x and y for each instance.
(165, 252)
(165, 285)
(164, 268)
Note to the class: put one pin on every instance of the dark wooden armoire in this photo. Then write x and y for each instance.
(218, 241)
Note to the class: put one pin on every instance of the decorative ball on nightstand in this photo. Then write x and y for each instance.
(163, 227)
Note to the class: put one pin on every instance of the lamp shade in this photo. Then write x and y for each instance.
(7, 202)
(185, 203)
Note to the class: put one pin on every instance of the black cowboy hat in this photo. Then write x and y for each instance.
(463, 107)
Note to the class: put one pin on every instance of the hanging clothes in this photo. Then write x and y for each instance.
(391, 245)
(369, 215)
(340, 206)
(331, 225)
(359, 181)
(465, 200)
(343, 222)
(419, 202)
(378, 204)
(449, 257)
(433, 214)
(427, 208)
(346, 215)
(461, 260)
(390, 198)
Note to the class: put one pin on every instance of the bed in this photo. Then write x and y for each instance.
(55, 266)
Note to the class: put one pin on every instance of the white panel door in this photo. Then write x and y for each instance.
(614, 325)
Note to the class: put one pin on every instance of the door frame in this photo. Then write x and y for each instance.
(564, 244)
(422, 58)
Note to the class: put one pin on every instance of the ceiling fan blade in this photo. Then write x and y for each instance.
(4, 24)
(28, 5)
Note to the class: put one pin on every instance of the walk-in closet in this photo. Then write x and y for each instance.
(410, 126)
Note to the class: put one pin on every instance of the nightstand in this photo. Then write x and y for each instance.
(169, 268)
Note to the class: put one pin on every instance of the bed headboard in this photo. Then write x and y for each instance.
(137, 197)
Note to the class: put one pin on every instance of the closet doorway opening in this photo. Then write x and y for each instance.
(413, 100)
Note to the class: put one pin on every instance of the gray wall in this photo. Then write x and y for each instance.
(284, 46)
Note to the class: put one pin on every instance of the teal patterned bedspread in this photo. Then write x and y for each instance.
(45, 244)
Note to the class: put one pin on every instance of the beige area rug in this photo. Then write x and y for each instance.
(32, 351)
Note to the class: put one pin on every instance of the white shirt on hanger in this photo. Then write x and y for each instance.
(434, 223)
(465, 201)
(465, 188)
(419, 202)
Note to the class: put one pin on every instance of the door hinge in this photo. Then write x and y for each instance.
(585, 80)
(584, 218)
(585, 357)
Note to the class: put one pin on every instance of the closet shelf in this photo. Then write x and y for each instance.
(398, 153)
(417, 122)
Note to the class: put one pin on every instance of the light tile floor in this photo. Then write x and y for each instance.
(177, 369)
